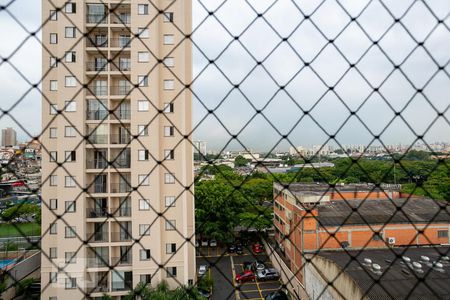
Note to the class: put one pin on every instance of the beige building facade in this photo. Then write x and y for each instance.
(117, 157)
(9, 137)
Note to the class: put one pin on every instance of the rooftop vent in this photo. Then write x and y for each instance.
(437, 266)
(417, 267)
(376, 268)
(445, 258)
(424, 258)
(406, 259)
(367, 262)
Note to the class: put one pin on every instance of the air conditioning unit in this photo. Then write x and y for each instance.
(391, 240)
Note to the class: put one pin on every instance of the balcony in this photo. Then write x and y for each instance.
(122, 236)
(121, 139)
(97, 212)
(121, 188)
(98, 90)
(121, 42)
(97, 262)
(121, 90)
(122, 66)
(122, 163)
(121, 114)
(96, 115)
(99, 164)
(97, 42)
(97, 66)
(96, 19)
(121, 211)
(97, 237)
(98, 139)
(122, 261)
(120, 18)
(98, 188)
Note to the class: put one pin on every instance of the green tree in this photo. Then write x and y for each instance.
(240, 161)
(24, 210)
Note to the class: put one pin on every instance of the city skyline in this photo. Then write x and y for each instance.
(258, 88)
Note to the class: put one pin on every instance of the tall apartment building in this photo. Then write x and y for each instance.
(9, 137)
(117, 158)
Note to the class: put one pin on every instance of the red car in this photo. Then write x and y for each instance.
(245, 276)
(257, 248)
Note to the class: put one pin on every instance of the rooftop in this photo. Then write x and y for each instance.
(398, 277)
(376, 211)
(314, 188)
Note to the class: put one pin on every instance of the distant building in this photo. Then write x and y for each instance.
(9, 137)
(200, 147)
(313, 218)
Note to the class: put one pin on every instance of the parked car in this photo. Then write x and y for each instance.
(204, 293)
(257, 248)
(213, 243)
(258, 266)
(197, 243)
(268, 274)
(239, 250)
(277, 295)
(245, 276)
(204, 243)
(202, 270)
(246, 265)
(231, 248)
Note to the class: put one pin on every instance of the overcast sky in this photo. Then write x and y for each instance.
(283, 64)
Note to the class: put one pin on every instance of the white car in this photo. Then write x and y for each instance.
(213, 243)
(202, 270)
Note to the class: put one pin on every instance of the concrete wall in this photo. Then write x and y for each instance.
(293, 285)
(28, 268)
(319, 272)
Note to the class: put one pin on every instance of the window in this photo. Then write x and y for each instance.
(168, 39)
(169, 154)
(172, 271)
(145, 278)
(71, 57)
(168, 17)
(53, 204)
(144, 229)
(53, 277)
(53, 15)
(143, 57)
(53, 228)
(143, 80)
(143, 33)
(53, 109)
(71, 283)
(53, 253)
(53, 156)
(71, 106)
(144, 204)
(143, 180)
(53, 180)
(70, 8)
(169, 178)
(69, 131)
(53, 132)
(70, 81)
(70, 257)
(143, 155)
(53, 62)
(168, 131)
(171, 248)
(170, 225)
(70, 32)
(168, 107)
(442, 233)
(53, 38)
(143, 105)
(70, 206)
(144, 254)
(53, 85)
(142, 130)
(52, 298)
(169, 62)
(70, 232)
(69, 181)
(169, 84)
(71, 156)
(170, 201)
(142, 9)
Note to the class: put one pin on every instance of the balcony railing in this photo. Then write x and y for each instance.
(98, 188)
(97, 114)
(96, 164)
(96, 19)
(97, 262)
(97, 90)
(121, 90)
(97, 42)
(120, 139)
(96, 212)
(121, 212)
(122, 163)
(121, 114)
(121, 236)
(96, 66)
(122, 285)
(97, 237)
(102, 287)
(98, 139)
(121, 261)
(120, 188)
(121, 42)
(121, 66)
(118, 18)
